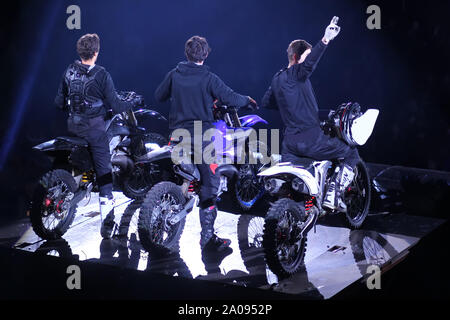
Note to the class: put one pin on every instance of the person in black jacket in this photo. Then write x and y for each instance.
(192, 90)
(291, 92)
(85, 92)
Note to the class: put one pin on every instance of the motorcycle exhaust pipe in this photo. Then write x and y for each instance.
(123, 162)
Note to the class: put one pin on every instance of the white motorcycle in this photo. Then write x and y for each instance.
(301, 187)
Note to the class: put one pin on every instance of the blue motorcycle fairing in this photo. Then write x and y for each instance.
(251, 119)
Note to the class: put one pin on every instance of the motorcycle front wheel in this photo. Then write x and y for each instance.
(51, 211)
(155, 231)
(284, 250)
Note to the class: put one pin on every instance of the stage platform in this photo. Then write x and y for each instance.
(336, 256)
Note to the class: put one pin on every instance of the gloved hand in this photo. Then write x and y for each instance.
(138, 101)
(332, 30)
(252, 105)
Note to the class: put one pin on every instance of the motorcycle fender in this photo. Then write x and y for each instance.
(46, 146)
(151, 113)
(299, 172)
(362, 127)
(251, 119)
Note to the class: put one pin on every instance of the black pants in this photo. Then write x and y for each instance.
(209, 181)
(313, 143)
(209, 185)
(93, 130)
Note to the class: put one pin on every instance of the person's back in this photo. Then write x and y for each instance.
(86, 91)
(192, 89)
(291, 92)
(191, 99)
(190, 95)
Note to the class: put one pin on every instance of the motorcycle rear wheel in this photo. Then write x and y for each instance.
(51, 213)
(357, 197)
(248, 187)
(283, 256)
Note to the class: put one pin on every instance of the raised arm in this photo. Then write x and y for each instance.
(305, 69)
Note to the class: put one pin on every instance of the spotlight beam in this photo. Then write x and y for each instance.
(23, 95)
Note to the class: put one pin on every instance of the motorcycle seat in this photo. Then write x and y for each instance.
(74, 140)
(298, 161)
(304, 162)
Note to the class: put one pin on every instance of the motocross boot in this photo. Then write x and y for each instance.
(333, 198)
(107, 211)
(208, 240)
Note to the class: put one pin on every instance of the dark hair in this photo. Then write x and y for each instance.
(196, 49)
(88, 45)
(297, 47)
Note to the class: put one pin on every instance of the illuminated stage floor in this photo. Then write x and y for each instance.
(335, 258)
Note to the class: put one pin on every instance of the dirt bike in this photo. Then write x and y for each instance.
(300, 188)
(247, 188)
(72, 176)
(162, 216)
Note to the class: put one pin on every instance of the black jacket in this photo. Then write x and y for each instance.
(192, 90)
(291, 92)
(102, 88)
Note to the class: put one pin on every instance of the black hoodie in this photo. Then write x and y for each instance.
(102, 88)
(192, 90)
(291, 92)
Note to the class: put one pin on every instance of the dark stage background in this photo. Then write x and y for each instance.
(401, 69)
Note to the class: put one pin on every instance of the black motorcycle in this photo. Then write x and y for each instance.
(72, 176)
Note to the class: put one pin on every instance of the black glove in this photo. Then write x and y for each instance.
(252, 104)
(138, 101)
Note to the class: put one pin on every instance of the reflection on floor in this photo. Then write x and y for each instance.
(335, 256)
